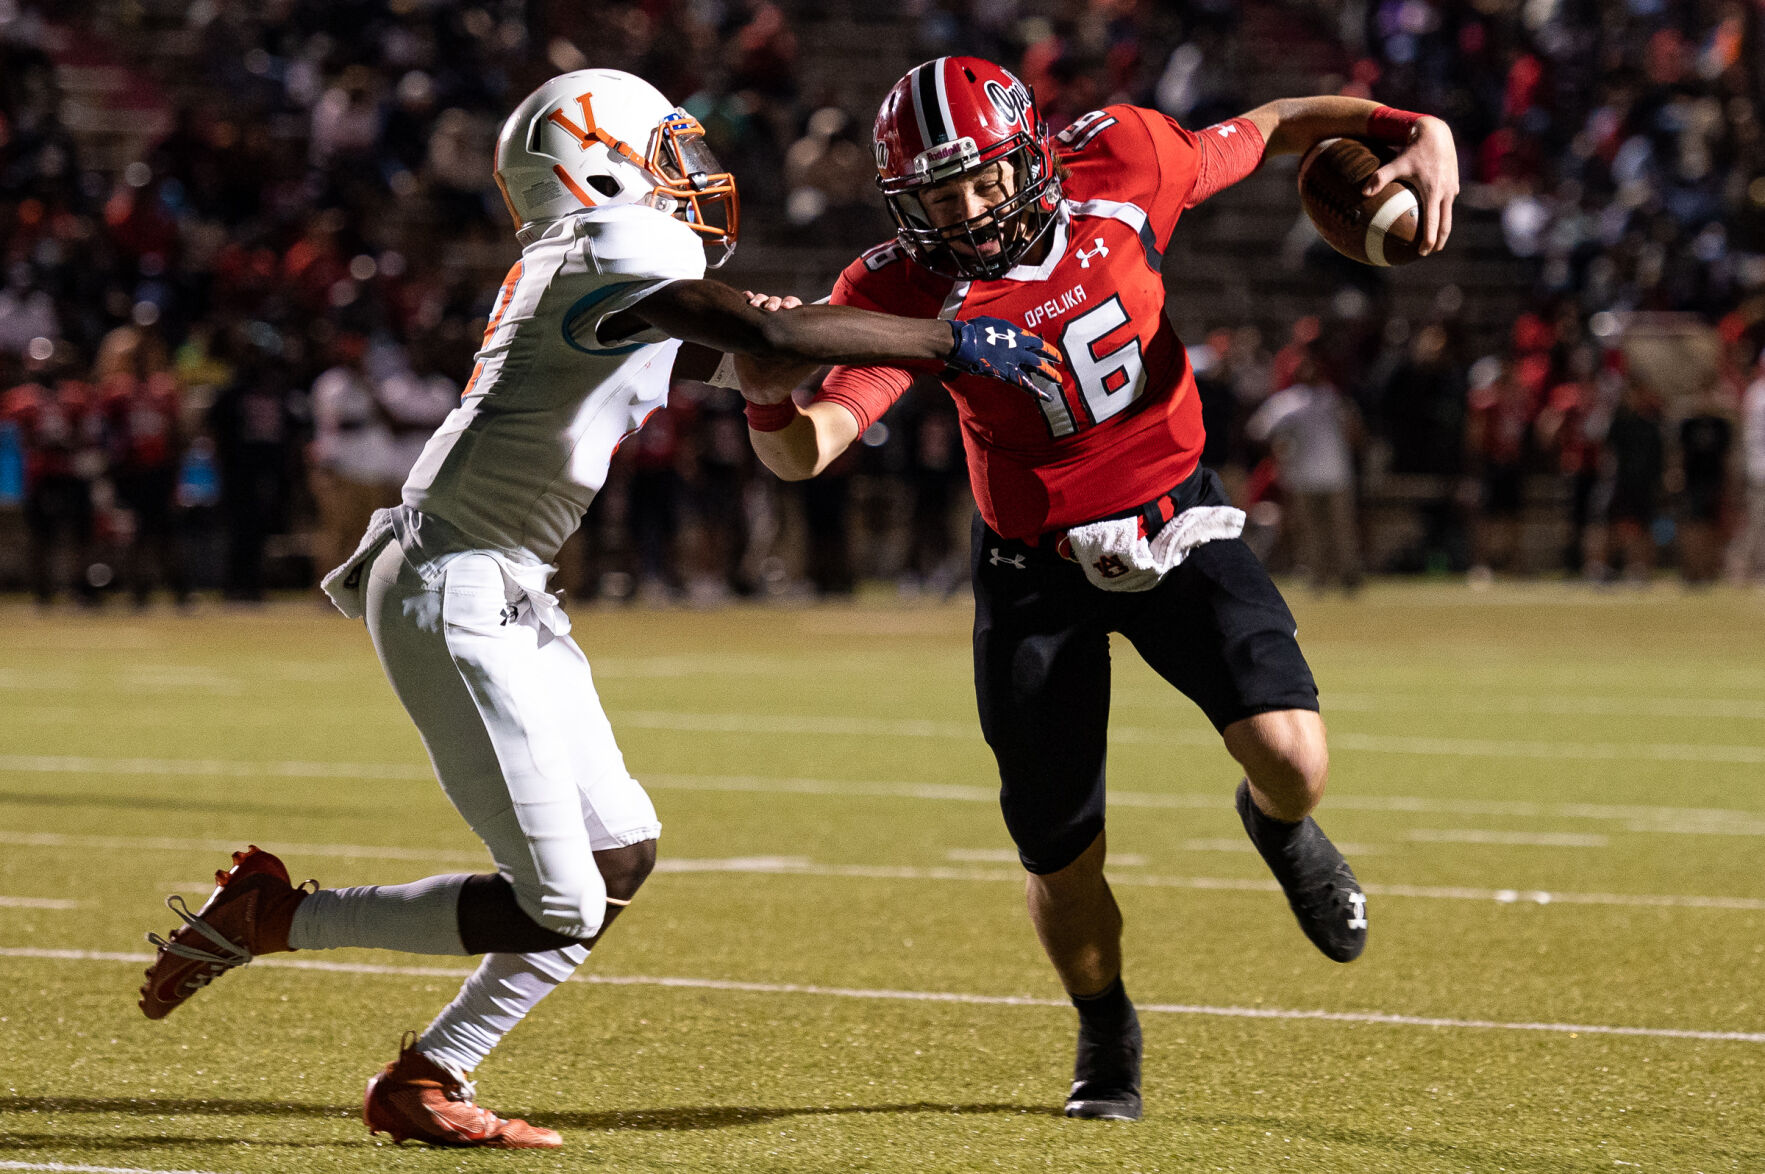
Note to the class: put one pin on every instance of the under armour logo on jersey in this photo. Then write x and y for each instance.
(1227, 131)
(510, 613)
(1358, 919)
(1111, 566)
(999, 560)
(1009, 338)
(1102, 250)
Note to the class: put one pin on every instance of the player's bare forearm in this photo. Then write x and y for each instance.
(808, 444)
(1290, 126)
(716, 315)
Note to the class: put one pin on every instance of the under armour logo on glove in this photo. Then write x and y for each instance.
(989, 346)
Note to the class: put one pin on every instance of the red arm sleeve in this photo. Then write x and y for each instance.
(1228, 151)
(873, 282)
(866, 392)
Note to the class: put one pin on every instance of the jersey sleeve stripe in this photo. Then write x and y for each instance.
(587, 302)
(1134, 217)
(953, 301)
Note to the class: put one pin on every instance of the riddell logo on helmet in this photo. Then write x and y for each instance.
(957, 154)
(1012, 102)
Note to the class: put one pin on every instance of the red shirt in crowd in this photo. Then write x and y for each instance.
(56, 426)
(141, 418)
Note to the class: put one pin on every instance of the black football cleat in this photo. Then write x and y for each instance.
(1320, 887)
(1106, 1074)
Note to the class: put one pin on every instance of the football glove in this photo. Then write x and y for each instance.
(995, 348)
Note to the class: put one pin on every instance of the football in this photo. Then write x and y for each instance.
(1375, 230)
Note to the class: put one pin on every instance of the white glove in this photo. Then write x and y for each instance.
(1117, 557)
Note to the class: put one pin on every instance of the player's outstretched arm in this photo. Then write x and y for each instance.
(1428, 161)
(716, 315)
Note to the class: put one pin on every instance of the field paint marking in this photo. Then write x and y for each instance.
(37, 903)
(227, 768)
(792, 988)
(1557, 706)
(1140, 735)
(1640, 818)
(173, 844)
(1519, 839)
(93, 1169)
(796, 866)
(801, 866)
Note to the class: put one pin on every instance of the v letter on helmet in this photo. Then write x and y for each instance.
(956, 118)
(595, 137)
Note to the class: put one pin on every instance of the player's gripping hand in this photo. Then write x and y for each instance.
(764, 382)
(1429, 163)
(995, 348)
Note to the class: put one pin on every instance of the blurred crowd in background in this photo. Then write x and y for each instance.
(247, 250)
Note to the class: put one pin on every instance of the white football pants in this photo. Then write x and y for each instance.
(509, 715)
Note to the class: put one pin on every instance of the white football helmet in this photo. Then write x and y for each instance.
(602, 136)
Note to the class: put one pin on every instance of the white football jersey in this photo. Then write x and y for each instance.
(516, 464)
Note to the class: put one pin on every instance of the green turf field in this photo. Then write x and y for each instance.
(1555, 798)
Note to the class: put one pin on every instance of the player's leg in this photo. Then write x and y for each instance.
(569, 799)
(1042, 685)
(1218, 630)
(620, 827)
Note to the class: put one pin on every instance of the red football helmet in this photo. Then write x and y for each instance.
(949, 117)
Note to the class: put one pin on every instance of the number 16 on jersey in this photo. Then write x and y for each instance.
(1107, 382)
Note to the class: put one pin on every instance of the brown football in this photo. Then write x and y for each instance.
(1375, 230)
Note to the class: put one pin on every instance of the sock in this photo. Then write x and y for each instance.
(419, 918)
(497, 996)
(1106, 1010)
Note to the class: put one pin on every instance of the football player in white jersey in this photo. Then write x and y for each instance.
(616, 200)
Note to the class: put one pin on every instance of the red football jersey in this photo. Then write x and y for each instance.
(1127, 426)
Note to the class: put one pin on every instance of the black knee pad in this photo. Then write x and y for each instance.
(493, 922)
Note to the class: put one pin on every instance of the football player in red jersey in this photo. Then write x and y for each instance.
(1095, 515)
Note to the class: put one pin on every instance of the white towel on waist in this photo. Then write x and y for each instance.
(430, 543)
(1117, 557)
(347, 585)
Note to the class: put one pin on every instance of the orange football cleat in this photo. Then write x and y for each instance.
(248, 914)
(414, 1098)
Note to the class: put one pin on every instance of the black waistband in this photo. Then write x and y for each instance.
(1154, 514)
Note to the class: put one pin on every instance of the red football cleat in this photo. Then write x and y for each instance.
(417, 1099)
(248, 914)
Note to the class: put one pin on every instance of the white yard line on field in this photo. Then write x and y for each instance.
(1711, 708)
(797, 866)
(742, 723)
(1513, 839)
(93, 1169)
(225, 768)
(37, 903)
(1638, 817)
(802, 866)
(791, 988)
(176, 844)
